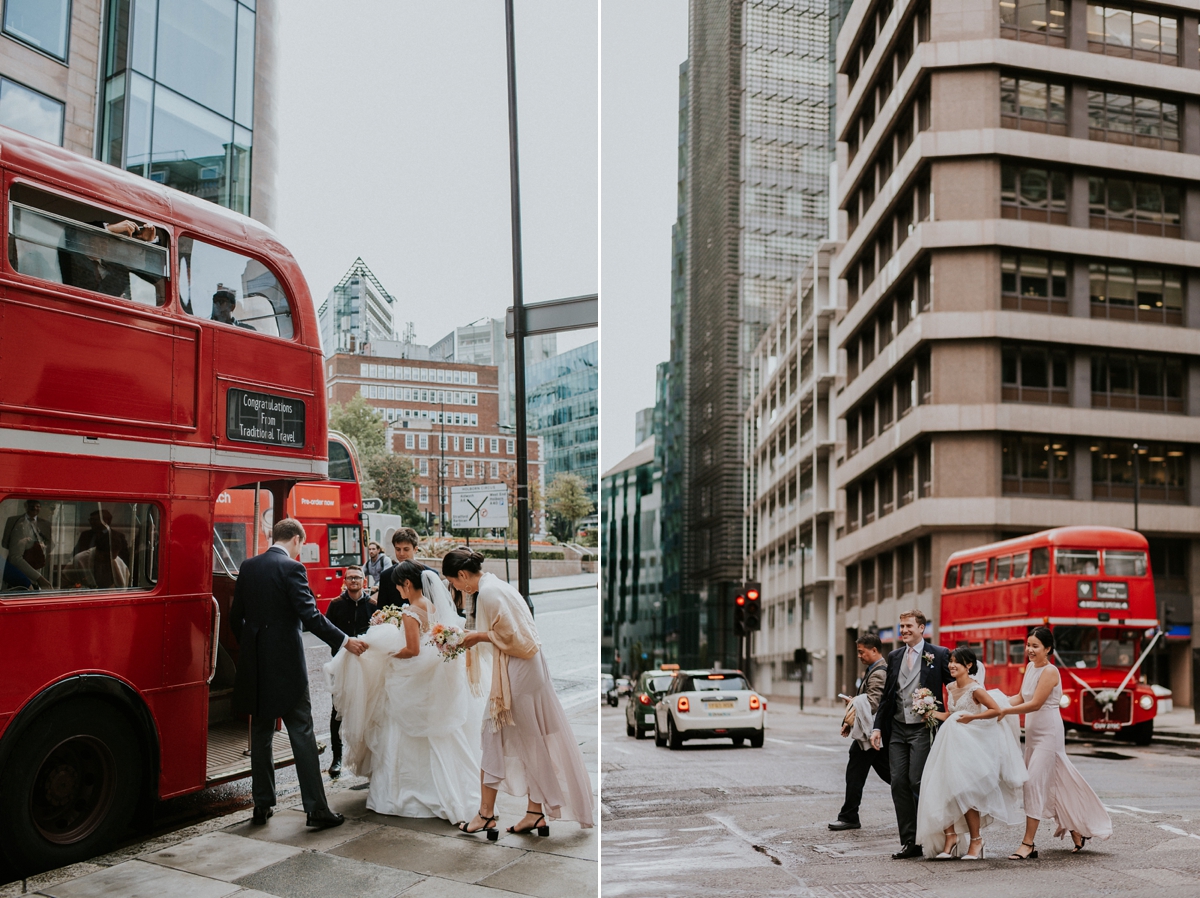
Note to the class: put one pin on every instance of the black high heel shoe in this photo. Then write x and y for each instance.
(1024, 857)
(489, 827)
(1083, 840)
(540, 826)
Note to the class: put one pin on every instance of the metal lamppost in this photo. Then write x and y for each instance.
(803, 650)
(442, 471)
(1137, 484)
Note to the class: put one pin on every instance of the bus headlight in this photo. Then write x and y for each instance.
(1065, 701)
(1147, 702)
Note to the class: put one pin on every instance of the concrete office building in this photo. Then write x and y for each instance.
(1019, 188)
(484, 342)
(756, 207)
(357, 313)
(177, 91)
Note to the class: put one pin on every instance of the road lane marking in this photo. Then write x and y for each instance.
(623, 751)
(1178, 831)
(780, 741)
(1115, 811)
(820, 747)
(1129, 807)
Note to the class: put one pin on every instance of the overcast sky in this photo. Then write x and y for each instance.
(642, 45)
(393, 132)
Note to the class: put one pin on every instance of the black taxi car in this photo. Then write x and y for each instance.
(650, 687)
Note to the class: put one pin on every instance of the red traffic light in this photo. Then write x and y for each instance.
(741, 600)
(752, 595)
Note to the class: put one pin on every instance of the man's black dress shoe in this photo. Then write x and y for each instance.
(335, 769)
(324, 819)
(842, 824)
(906, 852)
(261, 813)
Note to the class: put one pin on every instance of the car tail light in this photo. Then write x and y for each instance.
(755, 704)
(683, 707)
(644, 699)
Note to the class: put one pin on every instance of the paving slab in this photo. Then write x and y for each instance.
(567, 839)
(434, 825)
(287, 828)
(448, 857)
(317, 875)
(546, 876)
(138, 879)
(436, 887)
(43, 881)
(221, 856)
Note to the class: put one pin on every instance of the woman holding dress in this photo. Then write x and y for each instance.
(529, 749)
(974, 772)
(1055, 790)
(408, 717)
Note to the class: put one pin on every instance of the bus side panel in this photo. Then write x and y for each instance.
(183, 748)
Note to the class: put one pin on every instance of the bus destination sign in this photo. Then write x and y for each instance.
(1102, 596)
(262, 418)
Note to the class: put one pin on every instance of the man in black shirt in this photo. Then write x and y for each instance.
(351, 613)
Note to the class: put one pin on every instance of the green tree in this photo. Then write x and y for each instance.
(366, 428)
(394, 477)
(567, 499)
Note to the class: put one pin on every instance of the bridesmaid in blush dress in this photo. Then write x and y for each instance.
(1055, 790)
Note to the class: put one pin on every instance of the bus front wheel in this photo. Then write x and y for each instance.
(1140, 733)
(70, 787)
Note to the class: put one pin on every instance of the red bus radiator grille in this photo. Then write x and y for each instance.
(1089, 710)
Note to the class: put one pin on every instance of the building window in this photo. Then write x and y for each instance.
(1161, 469)
(1033, 193)
(424, 494)
(886, 576)
(851, 585)
(510, 447)
(1034, 374)
(1136, 207)
(30, 112)
(1033, 105)
(1136, 121)
(409, 441)
(1040, 21)
(423, 441)
(44, 24)
(1136, 293)
(469, 444)
(1033, 283)
(868, 581)
(177, 99)
(1137, 35)
(1036, 466)
(1143, 382)
(495, 469)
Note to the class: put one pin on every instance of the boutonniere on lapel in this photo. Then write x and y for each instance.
(928, 656)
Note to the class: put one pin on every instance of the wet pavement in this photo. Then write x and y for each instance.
(714, 821)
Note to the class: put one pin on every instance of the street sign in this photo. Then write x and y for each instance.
(573, 313)
(479, 506)
(372, 504)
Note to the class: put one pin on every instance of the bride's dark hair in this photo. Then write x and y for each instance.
(408, 572)
(1045, 637)
(461, 559)
(964, 656)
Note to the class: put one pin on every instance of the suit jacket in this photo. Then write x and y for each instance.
(872, 687)
(271, 605)
(933, 677)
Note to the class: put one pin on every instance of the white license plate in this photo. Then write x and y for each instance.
(712, 705)
(1103, 725)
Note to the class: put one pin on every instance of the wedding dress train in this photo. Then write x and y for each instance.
(410, 725)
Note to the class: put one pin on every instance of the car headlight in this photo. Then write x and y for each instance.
(1147, 702)
(1065, 701)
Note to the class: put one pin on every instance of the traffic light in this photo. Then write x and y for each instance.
(753, 616)
(800, 657)
(739, 614)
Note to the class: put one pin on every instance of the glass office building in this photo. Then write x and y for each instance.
(178, 94)
(562, 402)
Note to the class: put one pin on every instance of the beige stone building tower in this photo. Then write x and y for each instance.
(1019, 191)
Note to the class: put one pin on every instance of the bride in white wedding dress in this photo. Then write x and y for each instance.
(409, 721)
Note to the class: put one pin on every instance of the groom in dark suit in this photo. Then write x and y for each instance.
(915, 665)
(271, 604)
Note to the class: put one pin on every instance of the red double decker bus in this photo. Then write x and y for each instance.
(331, 512)
(146, 370)
(1093, 588)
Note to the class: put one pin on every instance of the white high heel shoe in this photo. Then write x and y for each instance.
(952, 854)
(975, 857)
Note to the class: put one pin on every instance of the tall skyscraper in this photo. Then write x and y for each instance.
(357, 311)
(756, 208)
(184, 89)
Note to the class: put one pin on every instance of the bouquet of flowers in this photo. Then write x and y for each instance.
(924, 705)
(447, 640)
(389, 614)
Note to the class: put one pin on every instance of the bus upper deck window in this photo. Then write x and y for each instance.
(1039, 562)
(952, 577)
(1084, 562)
(1124, 563)
(1019, 562)
(1003, 567)
(980, 572)
(59, 240)
(964, 574)
(232, 289)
